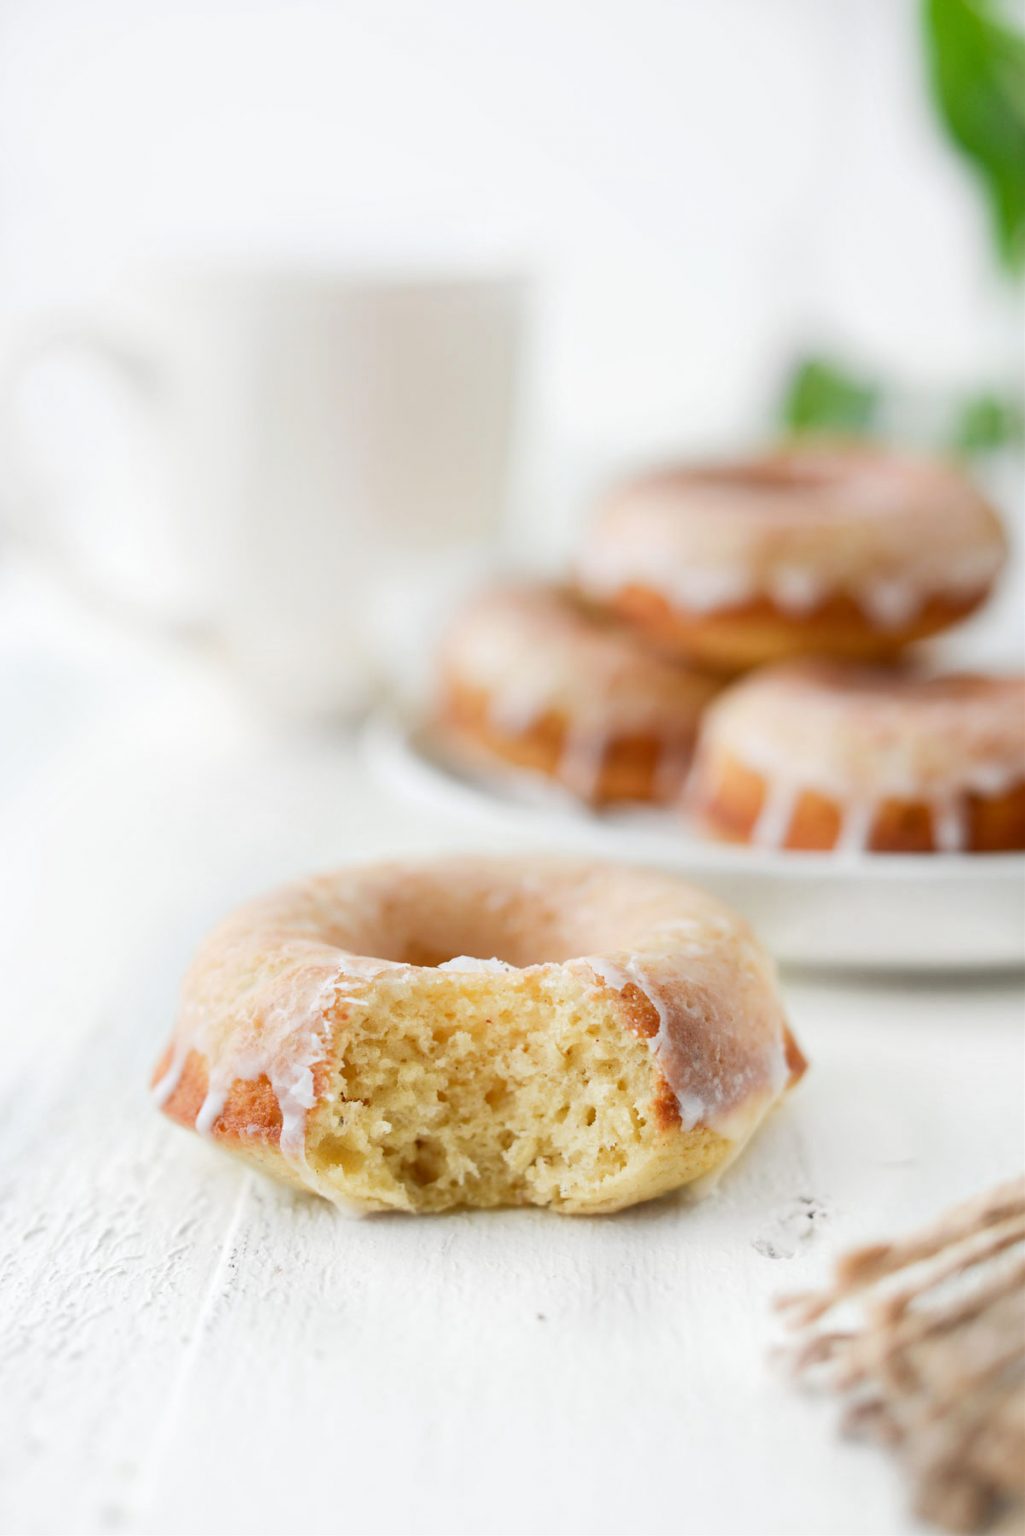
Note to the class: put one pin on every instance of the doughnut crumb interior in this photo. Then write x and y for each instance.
(504, 1088)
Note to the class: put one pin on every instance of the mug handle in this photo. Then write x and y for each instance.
(109, 345)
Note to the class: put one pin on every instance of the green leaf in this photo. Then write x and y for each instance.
(821, 397)
(988, 421)
(976, 66)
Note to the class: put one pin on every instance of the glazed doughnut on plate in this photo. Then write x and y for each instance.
(530, 678)
(818, 756)
(850, 553)
(481, 1032)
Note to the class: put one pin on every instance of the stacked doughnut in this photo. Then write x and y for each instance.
(741, 636)
(815, 755)
(533, 677)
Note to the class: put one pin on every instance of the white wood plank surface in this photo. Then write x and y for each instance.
(188, 1349)
(184, 1348)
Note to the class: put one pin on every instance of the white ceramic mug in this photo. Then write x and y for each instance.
(256, 451)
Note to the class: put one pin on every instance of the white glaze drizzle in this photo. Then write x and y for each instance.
(947, 813)
(210, 1109)
(856, 827)
(581, 762)
(694, 1109)
(949, 824)
(291, 1081)
(706, 591)
(515, 710)
(777, 812)
(987, 779)
(617, 976)
(168, 1081)
(795, 588)
(991, 779)
(890, 602)
(474, 963)
(696, 588)
(671, 769)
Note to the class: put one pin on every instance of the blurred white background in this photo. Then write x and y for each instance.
(701, 190)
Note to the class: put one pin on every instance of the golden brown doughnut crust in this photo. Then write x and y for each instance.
(759, 632)
(732, 796)
(627, 767)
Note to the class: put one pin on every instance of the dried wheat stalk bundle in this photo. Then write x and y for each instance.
(933, 1362)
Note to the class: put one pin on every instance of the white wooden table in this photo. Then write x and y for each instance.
(184, 1348)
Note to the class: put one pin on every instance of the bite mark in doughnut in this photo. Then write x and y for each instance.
(358, 1036)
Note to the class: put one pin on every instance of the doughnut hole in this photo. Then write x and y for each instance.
(486, 1089)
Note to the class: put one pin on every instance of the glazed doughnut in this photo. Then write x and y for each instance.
(819, 756)
(481, 1032)
(850, 553)
(530, 678)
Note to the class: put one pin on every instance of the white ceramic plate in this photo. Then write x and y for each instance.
(870, 911)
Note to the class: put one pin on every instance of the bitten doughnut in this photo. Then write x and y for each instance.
(481, 1032)
(818, 756)
(530, 678)
(850, 553)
